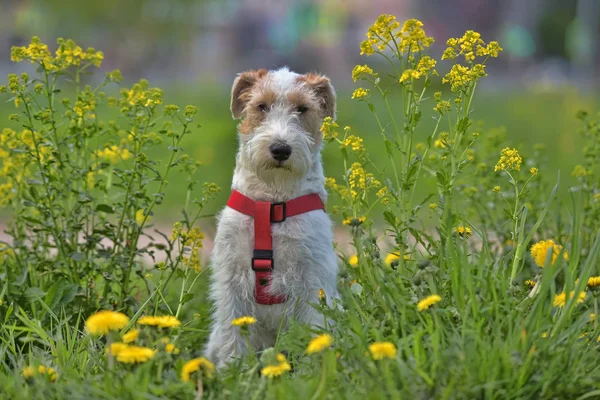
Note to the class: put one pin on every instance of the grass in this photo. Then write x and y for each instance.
(473, 270)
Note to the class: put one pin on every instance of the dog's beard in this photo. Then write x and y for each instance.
(276, 166)
(258, 158)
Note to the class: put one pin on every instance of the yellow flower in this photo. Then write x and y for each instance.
(140, 217)
(540, 249)
(243, 321)
(381, 350)
(390, 258)
(510, 160)
(529, 283)
(360, 93)
(353, 261)
(171, 349)
(197, 364)
(412, 37)
(496, 189)
(272, 371)
(594, 281)
(114, 154)
(359, 179)
(463, 231)
(580, 171)
(460, 76)
(30, 372)
(379, 34)
(428, 302)
(362, 72)
(354, 142)
(442, 106)
(134, 354)
(328, 129)
(354, 221)
(533, 171)
(319, 343)
(105, 321)
(115, 348)
(322, 294)
(166, 321)
(131, 336)
(561, 299)
(470, 45)
(91, 179)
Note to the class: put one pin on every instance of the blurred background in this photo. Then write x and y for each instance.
(194, 48)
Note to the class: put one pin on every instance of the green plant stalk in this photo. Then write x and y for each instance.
(147, 214)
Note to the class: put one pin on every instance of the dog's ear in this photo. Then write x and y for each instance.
(240, 92)
(325, 92)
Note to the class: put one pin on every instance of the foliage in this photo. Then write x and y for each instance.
(481, 284)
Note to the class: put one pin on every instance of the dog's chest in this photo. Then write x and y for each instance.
(297, 242)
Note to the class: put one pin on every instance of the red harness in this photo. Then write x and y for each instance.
(265, 214)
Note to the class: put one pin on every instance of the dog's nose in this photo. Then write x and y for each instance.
(280, 151)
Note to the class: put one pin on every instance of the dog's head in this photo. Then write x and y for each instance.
(281, 114)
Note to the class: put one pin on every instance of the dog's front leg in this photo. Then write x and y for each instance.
(226, 342)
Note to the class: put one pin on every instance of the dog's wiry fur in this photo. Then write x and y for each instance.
(277, 107)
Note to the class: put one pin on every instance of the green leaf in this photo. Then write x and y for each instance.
(34, 294)
(105, 208)
(187, 297)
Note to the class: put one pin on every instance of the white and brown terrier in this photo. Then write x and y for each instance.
(273, 250)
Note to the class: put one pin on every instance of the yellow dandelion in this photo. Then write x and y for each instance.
(171, 349)
(243, 321)
(319, 343)
(272, 371)
(463, 231)
(541, 248)
(529, 283)
(105, 321)
(115, 348)
(533, 171)
(594, 281)
(353, 261)
(165, 321)
(561, 299)
(354, 221)
(381, 350)
(195, 365)
(134, 354)
(131, 336)
(390, 258)
(428, 302)
(30, 372)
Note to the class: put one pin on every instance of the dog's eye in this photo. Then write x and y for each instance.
(301, 109)
(262, 107)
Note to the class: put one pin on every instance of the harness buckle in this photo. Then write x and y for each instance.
(278, 212)
(262, 261)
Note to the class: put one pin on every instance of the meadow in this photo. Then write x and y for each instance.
(470, 219)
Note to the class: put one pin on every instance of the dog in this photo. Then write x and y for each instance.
(278, 163)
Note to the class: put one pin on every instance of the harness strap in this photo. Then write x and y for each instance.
(265, 214)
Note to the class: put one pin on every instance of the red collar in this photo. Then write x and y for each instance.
(267, 213)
